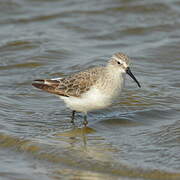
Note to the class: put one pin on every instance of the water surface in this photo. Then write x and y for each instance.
(137, 138)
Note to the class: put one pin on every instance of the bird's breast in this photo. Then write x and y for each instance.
(112, 85)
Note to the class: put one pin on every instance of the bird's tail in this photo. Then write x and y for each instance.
(49, 85)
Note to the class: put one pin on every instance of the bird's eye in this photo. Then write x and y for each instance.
(118, 62)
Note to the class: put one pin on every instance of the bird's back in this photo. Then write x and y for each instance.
(74, 85)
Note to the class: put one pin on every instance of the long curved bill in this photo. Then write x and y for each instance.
(128, 71)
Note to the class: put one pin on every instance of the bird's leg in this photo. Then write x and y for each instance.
(73, 116)
(85, 122)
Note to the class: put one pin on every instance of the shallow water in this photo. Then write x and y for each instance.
(137, 138)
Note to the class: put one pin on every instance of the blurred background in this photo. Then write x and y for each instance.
(137, 138)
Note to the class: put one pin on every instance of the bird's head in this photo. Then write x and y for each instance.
(120, 62)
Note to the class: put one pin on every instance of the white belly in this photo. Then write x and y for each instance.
(94, 99)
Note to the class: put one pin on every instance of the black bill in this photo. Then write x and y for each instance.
(128, 71)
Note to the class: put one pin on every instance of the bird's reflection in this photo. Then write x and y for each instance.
(77, 134)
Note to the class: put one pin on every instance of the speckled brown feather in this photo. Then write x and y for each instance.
(74, 85)
(48, 88)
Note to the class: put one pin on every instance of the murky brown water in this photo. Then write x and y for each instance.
(137, 138)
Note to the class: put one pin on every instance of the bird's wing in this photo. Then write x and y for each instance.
(74, 85)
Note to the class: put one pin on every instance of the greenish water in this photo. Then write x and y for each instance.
(137, 138)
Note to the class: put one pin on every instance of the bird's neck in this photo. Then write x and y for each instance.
(112, 80)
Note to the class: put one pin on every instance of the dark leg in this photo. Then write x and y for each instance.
(73, 115)
(85, 122)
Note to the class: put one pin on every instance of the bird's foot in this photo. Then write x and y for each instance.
(85, 122)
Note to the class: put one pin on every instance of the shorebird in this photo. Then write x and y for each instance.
(92, 89)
